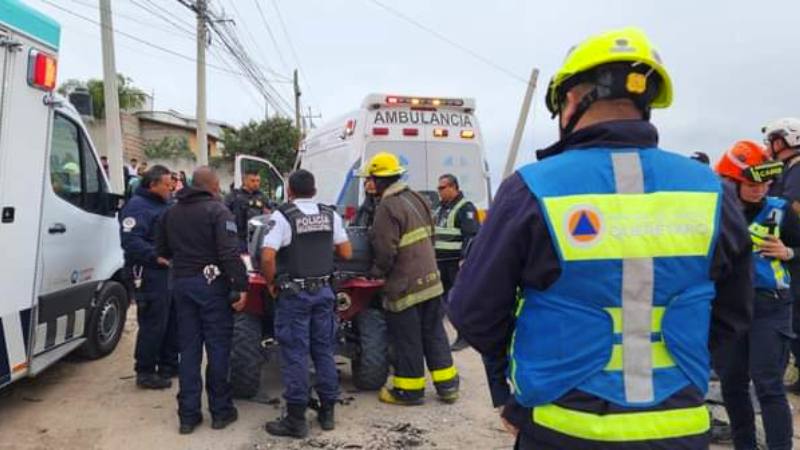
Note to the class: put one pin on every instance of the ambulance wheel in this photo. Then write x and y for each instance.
(107, 320)
(247, 355)
(370, 364)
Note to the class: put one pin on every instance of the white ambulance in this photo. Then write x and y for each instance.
(432, 136)
(60, 276)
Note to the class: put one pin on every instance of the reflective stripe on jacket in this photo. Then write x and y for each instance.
(628, 318)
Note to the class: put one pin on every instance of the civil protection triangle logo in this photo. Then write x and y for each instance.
(584, 225)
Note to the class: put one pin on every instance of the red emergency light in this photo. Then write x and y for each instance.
(41, 70)
(380, 131)
(410, 131)
(423, 101)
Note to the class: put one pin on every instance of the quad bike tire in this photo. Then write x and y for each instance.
(370, 364)
(247, 356)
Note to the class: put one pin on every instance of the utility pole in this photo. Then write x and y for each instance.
(311, 116)
(202, 125)
(523, 118)
(113, 125)
(296, 101)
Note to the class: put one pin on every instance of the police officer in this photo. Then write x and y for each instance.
(246, 203)
(762, 353)
(199, 235)
(156, 358)
(619, 249)
(456, 224)
(402, 242)
(297, 261)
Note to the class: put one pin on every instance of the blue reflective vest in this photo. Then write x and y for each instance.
(770, 273)
(628, 318)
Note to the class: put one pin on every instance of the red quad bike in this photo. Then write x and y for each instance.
(361, 330)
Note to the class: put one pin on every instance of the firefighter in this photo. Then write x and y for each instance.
(245, 203)
(402, 243)
(210, 281)
(761, 355)
(456, 224)
(619, 249)
(299, 249)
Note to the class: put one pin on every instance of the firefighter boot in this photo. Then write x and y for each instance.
(325, 416)
(394, 397)
(293, 424)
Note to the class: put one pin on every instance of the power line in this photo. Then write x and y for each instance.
(231, 42)
(258, 47)
(449, 41)
(291, 46)
(136, 20)
(271, 35)
(170, 14)
(161, 16)
(141, 41)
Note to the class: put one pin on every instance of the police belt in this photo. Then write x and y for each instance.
(297, 285)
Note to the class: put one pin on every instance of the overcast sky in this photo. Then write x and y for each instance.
(734, 64)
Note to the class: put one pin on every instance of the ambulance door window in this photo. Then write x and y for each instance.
(65, 161)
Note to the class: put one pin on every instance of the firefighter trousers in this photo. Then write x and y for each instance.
(418, 337)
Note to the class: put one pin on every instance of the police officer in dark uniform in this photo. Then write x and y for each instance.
(199, 236)
(156, 359)
(246, 203)
(456, 224)
(297, 260)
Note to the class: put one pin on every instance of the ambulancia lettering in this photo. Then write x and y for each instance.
(422, 118)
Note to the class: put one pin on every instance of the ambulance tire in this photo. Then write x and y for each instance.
(107, 321)
(370, 363)
(247, 356)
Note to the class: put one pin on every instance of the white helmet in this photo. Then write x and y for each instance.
(787, 128)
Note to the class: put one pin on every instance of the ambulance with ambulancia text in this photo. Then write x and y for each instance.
(61, 286)
(432, 136)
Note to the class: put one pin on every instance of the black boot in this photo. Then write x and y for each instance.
(152, 381)
(293, 424)
(325, 416)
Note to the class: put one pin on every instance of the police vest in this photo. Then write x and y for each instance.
(628, 318)
(310, 254)
(770, 272)
(448, 239)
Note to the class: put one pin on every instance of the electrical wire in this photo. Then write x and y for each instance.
(300, 69)
(449, 41)
(139, 40)
(271, 35)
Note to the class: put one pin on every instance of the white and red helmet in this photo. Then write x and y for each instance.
(787, 128)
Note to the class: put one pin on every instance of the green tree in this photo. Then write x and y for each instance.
(171, 147)
(274, 139)
(130, 97)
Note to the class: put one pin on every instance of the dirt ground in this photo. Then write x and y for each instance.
(96, 405)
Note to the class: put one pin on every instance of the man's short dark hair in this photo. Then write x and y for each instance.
(134, 160)
(450, 179)
(153, 175)
(301, 183)
(103, 158)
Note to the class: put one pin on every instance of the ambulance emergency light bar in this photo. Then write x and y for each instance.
(418, 101)
(41, 70)
(375, 101)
